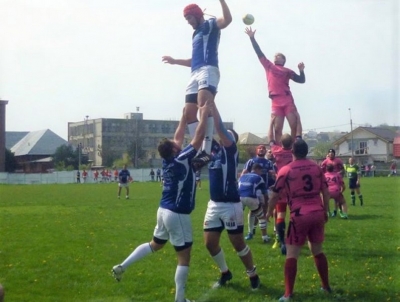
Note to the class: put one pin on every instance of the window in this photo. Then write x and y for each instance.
(362, 148)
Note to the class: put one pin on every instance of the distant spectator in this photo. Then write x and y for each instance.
(78, 177)
(95, 175)
(362, 170)
(84, 175)
(116, 173)
(158, 175)
(393, 169)
(152, 174)
(367, 170)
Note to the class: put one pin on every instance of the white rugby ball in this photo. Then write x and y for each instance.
(248, 19)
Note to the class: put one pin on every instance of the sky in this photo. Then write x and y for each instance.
(63, 60)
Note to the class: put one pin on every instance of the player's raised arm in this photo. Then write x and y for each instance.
(225, 137)
(200, 133)
(251, 33)
(302, 77)
(172, 61)
(180, 130)
(226, 18)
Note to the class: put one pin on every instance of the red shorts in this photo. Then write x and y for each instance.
(311, 226)
(283, 105)
(281, 207)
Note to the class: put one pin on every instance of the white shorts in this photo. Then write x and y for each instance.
(203, 77)
(250, 202)
(121, 185)
(174, 227)
(228, 213)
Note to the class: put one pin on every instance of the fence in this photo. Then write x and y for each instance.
(65, 177)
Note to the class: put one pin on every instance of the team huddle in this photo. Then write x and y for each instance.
(275, 180)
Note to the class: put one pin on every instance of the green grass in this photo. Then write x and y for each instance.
(59, 242)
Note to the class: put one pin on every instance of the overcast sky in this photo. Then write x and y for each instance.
(62, 60)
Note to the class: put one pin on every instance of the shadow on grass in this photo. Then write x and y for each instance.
(364, 217)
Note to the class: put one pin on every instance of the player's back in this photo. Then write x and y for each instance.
(282, 156)
(305, 182)
(334, 181)
(249, 183)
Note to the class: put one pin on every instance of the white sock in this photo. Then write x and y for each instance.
(181, 276)
(141, 251)
(192, 128)
(220, 260)
(252, 219)
(209, 135)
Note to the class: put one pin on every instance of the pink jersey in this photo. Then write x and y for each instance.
(334, 181)
(302, 180)
(277, 77)
(282, 156)
(336, 162)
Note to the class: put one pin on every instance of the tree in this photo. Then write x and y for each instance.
(321, 149)
(11, 163)
(133, 148)
(67, 156)
(246, 152)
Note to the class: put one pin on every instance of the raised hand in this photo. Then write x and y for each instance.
(250, 32)
(168, 60)
(301, 66)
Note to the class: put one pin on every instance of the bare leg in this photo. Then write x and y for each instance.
(278, 125)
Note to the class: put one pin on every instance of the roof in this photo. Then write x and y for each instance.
(382, 133)
(248, 138)
(13, 137)
(42, 142)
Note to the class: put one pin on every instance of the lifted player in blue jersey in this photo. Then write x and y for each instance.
(224, 210)
(205, 74)
(177, 202)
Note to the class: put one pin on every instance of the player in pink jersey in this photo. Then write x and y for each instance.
(333, 160)
(283, 156)
(303, 181)
(278, 78)
(336, 188)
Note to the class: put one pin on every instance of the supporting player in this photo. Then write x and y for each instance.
(177, 202)
(224, 210)
(283, 156)
(205, 74)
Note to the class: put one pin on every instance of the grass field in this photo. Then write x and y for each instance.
(59, 243)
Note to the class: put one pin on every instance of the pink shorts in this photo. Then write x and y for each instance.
(283, 105)
(311, 226)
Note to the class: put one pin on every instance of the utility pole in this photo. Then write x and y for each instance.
(352, 138)
(137, 137)
(79, 155)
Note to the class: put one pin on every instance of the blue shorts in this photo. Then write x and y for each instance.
(353, 183)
